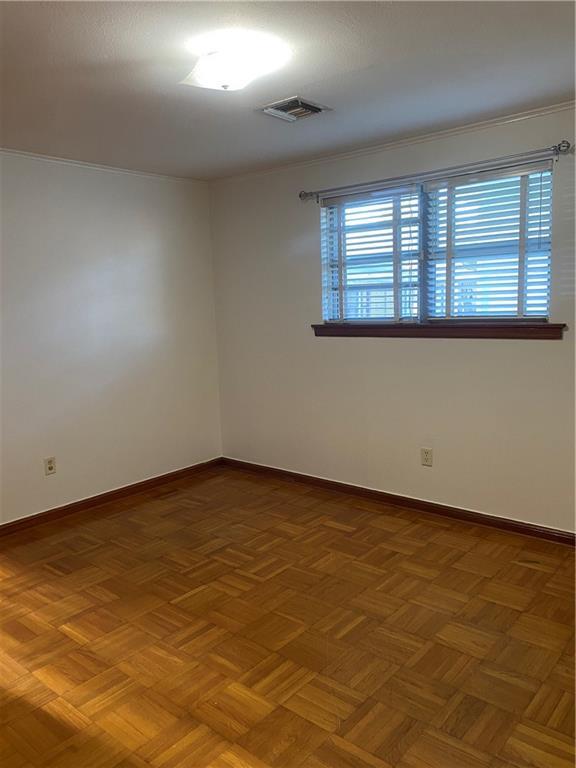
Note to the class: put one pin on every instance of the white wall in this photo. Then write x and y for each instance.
(109, 362)
(499, 414)
(108, 337)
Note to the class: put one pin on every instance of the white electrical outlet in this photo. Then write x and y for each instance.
(50, 465)
(426, 457)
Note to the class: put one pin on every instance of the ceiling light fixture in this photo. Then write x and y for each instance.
(230, 59)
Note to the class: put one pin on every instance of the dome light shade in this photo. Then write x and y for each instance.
(230, 59)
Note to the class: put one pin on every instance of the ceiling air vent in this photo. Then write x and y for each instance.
(293, 109)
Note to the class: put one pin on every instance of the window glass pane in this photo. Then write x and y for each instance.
(380, 250)
(494, 235)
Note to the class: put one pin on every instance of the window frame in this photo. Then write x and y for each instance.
(511, 327)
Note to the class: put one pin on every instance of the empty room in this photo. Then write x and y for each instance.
(287, 425)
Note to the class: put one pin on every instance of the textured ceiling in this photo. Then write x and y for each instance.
(99, 82)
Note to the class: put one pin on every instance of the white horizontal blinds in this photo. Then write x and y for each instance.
(371, 256)
(488, 244)
(476, 245)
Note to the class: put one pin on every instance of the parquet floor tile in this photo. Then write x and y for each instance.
(360, 670)
(539, 747)
(339, 753)
(553, 708)
(435, 748)
(476, 722)
(277, 679)
(232, 710)
(416, 695)
(283, 739)
(325, 702)
(234, 620)
(508, 690)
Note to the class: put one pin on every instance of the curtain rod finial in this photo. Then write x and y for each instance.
(562, 148)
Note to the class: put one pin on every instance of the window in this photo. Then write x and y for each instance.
(470, 247)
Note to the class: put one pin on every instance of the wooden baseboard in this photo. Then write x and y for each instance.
(476, 518)
(48, 516)
(392, 499)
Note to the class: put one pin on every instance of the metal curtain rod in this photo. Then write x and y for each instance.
(562, 148)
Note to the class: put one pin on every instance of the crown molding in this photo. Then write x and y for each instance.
(96, 166)
(369, 149)
(421, 138)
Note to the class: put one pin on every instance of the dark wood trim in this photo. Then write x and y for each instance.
(476, 518)
(50, 515)
(456, 329)
(392, 499)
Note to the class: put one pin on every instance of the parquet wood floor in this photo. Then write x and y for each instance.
(234, 620)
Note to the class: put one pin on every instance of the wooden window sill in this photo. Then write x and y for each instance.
(456, 329)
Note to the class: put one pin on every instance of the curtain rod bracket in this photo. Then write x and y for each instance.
(562, 148)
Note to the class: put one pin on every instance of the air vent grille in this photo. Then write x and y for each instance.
(293, 109)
